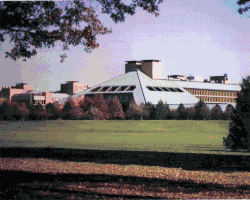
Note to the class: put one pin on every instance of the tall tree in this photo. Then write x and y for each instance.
(216, 112)
(229, 112)
(239, 128)
(5, 111)
(77, 112)
(86, 105)
(151, 110)
(143, 111)
(66, 110)
(37, 18)
(17, 115)
(182, 113)
(38, 111)
(50, 109)
(115, 109)
(202, 111)
(190, 113)
(100, 103)
(132, 112)
(162, 111)
(24, 111)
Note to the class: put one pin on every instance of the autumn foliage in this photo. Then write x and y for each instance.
(95, 107)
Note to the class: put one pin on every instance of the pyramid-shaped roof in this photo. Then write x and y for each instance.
(144, 89)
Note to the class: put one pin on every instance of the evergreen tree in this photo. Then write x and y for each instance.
(151, 110)
(5, 111)
(217, 112)
(58, 110)
(229, 112)
(31, 109)
(17, 114)
(66, 110)
(115, 109)
(162, 111)
(202, 111)
(182, 113)
(38, 111)
(190, 113)
(24, 111)
(50, 109)
(239, 128)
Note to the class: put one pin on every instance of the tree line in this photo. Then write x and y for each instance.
(95, 108)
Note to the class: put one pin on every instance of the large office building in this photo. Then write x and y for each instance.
(143, 82)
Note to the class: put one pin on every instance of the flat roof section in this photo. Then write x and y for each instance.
(133, 61)
(151, 60)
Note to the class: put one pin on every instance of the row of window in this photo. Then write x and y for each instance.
(40, 101)
(113, 88)
(217, 99)
(164, 89)
(211, 92)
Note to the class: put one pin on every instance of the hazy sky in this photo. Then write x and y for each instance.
(203, 38)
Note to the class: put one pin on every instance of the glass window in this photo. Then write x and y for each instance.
(123, 87)
(150, 88)
(165, 89)
(95, 89)
(131, 88)
(178, 89)
(172, 89)
(157, 88)
(114, 88)
(105, 88)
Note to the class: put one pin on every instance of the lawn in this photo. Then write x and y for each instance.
(167, 136)
(38, 178)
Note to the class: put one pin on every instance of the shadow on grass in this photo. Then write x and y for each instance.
(37, 185)
(187, 161)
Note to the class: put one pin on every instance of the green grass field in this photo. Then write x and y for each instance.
(167, 136)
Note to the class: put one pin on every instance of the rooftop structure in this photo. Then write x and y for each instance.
(72, 87)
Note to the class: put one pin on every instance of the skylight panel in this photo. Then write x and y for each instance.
(165, 89)
(178, 89)
(131, 88)
(172, 89)
(114, 88)
(95, 89)
(157, 88)
(105, 88)
(150, 88)
(123, 88)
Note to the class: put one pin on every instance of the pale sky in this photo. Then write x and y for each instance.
(190, 37)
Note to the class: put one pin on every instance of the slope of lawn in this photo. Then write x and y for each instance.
(145, 135)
